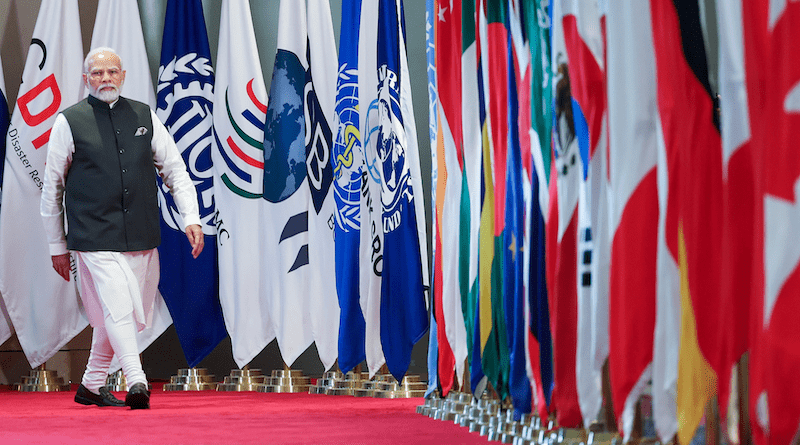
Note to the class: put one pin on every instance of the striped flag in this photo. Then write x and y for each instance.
(634, 211)
(190, 287)
(496, 367)
(238, 166)
(43, 308)
(693, 154)
(348, 161)
(298, 177)
(537, 27)
(118, 26)
(430, 54)
(584, 38)
(772, 75)
(449, 316)
(517, 241)
(471, 171)
(6, 329)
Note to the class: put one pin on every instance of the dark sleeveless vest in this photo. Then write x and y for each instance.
(111, 193)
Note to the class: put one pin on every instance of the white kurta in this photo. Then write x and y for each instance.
(124, 282)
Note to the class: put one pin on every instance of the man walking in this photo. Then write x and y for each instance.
(102, 157)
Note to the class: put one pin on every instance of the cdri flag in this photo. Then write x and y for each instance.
(238, 165)
(43, 308)
(185, 97)
(119, 27)
(348, 162)
(298, 179)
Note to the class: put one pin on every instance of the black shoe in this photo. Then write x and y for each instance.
(138, 397)
(105, 398)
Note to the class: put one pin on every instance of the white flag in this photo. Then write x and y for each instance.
(238, 158)
(371, 227)
(119, 27)
(323, 301)
(43, 308)
(298, 177)
(6, 329)
(633, 152)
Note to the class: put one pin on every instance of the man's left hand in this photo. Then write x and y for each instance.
(195, 234)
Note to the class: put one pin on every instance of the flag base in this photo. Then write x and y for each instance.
(286, 381)
(242, 380)
(42, 380)
(191, 379)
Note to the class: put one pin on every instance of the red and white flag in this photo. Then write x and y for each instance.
(450, 318)
(632, 124)
(43, 308)
(693, 213)
(771, 31)
(583, 23)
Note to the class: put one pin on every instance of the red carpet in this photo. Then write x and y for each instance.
(210, 417)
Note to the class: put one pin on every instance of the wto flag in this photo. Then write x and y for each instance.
(238, 165)
(185, 100)
(390, 123)
(348, 165)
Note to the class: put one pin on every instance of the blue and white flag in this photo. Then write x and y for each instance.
(298, 184)
(185, 100)
(44, 308)
(430, 54)
(515, 249)
(371, 240)
(5, 322)
(348, 167)
(238, 165)
(391, 131)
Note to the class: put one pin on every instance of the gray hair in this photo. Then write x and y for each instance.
(95, 52)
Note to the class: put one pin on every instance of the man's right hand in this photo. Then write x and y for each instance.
(61, 265)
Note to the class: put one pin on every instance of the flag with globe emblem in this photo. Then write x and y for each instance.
(348, 162)
(238, 166)
(185, 98)
(298, 184)
(391, 131)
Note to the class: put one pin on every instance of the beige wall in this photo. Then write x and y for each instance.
(164, 356)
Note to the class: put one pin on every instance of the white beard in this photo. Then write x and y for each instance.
(107, 95)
